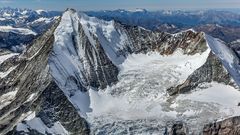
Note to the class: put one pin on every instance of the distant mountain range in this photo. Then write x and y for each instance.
(23, 25)
(219, 23)
(19, 27)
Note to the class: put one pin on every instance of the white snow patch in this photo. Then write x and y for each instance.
(42, 19)
(5, 14)
(217, 93)
(40, 11)
(173, 69)
(31, 115)
(2, 19)
(7, 56)
(178, 33)
(23, 31)
(7, 98)
(4, 74)
(31, 97)
(37, 124)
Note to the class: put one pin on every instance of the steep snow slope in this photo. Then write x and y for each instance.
(109, 35)
(228, 57)
(65, 63)
(78, 61)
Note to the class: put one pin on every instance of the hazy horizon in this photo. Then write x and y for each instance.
(151, 5)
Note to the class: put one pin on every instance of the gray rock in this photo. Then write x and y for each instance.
(230, 126)
(176, 128)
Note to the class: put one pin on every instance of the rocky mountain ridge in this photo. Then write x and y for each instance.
(48, 84)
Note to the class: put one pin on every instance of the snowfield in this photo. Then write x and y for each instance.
(139, 100)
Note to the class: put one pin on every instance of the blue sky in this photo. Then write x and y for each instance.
(121, 4)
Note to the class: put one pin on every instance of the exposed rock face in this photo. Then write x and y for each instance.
(221, 66)
(144, 41)
(102, 70)
(212, 70)
(229, 126)
(91, 67)
(235, 45)
(53, 106)
(9, 39)
(177, 128)
(226, 33)
(24, 83)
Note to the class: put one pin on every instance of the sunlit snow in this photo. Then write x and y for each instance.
(23, 31)
(140, 98)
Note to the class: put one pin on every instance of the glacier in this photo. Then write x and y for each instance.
(139, 101)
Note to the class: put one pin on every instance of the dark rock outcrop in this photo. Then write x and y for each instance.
(9, 40)
(101, 70)
(145, 41)
(30, 76)
(53, 106)
(177, 128)
(230, 126)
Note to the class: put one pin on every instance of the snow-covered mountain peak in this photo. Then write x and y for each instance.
(107, 73)
(138, 10)
(40, 11)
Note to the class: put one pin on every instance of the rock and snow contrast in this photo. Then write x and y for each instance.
(89, 76)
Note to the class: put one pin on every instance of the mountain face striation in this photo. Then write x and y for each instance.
(89, 76)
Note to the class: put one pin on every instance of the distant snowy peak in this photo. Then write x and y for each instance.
(40, 11)
(138, 10)
(22, 25)
(12, 16)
